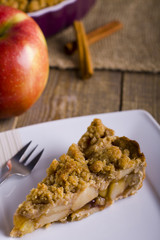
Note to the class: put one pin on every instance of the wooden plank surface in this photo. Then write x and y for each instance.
(67, 96)
(142, 91)
(107, 91)
(8, 124)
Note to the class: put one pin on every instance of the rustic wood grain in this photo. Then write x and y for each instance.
(8, 124)
(68, 96)
(142, 91)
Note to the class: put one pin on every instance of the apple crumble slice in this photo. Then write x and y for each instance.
(94, 173)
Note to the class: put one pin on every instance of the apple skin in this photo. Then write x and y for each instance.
(24, 62)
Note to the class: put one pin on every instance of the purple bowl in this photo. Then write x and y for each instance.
(53, 19)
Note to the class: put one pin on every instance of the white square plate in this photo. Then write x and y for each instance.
(137, 217)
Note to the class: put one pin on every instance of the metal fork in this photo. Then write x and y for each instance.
(14, 166)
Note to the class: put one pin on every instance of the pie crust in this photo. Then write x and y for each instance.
(94, 173)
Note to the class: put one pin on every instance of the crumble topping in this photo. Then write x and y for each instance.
(108, 163)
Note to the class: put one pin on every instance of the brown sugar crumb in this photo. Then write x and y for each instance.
(97, 166)
(41, 194)
(52, 168)
(94, 132)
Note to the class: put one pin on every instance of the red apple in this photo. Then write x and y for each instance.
(24, 62)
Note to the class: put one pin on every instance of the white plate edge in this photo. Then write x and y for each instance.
(141, 111)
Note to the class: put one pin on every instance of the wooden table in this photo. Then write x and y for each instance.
(107, 91)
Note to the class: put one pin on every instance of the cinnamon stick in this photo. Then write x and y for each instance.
(86, 67)
(95, 35)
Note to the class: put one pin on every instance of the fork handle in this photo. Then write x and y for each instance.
(5, 173)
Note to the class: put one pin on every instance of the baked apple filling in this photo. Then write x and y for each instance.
(94, 173)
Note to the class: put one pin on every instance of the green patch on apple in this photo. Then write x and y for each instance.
(8, 24)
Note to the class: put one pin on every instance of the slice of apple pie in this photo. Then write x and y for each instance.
(102, 168)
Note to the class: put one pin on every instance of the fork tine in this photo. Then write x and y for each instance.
(20, 153)
(26, 158)
(32, 164)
